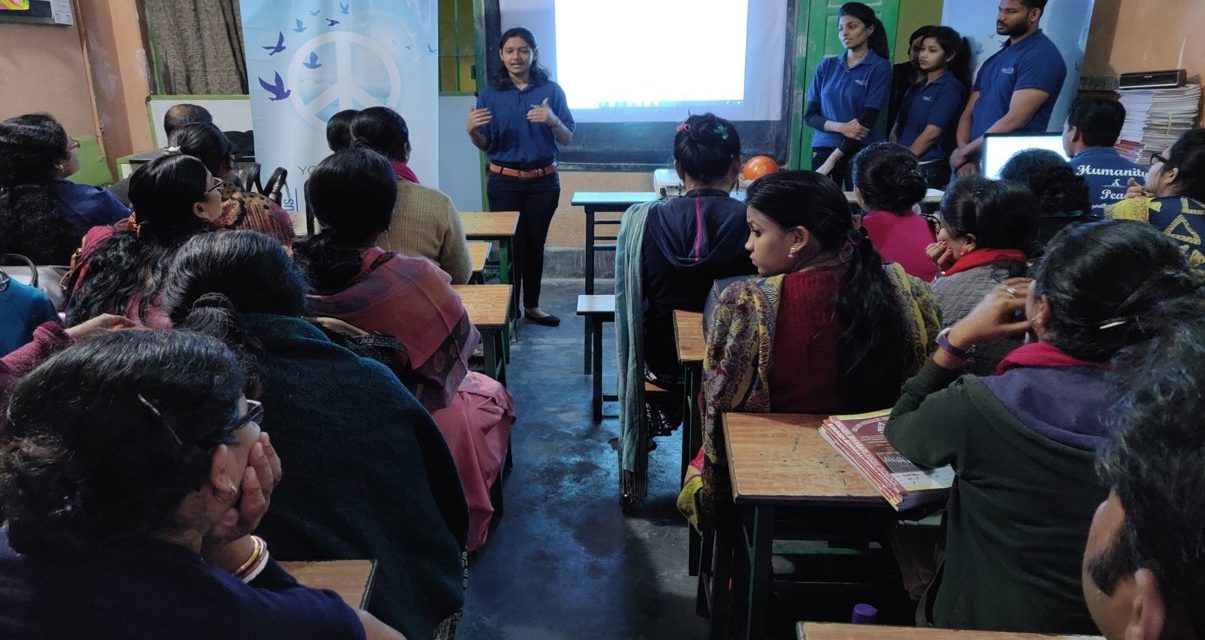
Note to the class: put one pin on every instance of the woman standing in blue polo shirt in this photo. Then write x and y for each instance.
(519, 121)
(930, 109)
(848, 93)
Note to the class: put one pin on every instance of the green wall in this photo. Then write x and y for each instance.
(914, 14)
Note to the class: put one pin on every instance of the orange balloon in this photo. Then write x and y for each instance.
(758, 166)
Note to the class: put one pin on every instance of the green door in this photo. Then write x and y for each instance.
(818, 29)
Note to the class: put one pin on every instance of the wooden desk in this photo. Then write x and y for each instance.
(596, 310)
(479, 252)
(593, 202)
(692, 345)
(500, 227)
(488, 306)
(831, 631)
(779, 461)
(351, 579)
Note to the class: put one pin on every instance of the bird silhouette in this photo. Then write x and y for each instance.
(315, 12)
(279, 46)
(330, 22)
(410, 47)
(277, 90)
(300, 27)
(312, 63)
(344, 8)
(430, 50)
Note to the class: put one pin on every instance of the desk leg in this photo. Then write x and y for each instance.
(495, 365)
(589, 283)
(597, 366)
(689, 448)
(760, 583)
(721, 595)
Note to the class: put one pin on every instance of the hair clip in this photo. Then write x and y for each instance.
(721, 131)
(160, 419)
(1112, 323)
(978, 192)
(685, 126)
(172, 150)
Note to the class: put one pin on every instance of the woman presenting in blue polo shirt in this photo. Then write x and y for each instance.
(848, 93)
(518, 122)
(930, 109)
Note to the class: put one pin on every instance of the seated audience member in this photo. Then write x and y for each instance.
(22, 309)
(177, 116)
(1022, 441)
(1173, 198)
(370, 475)
(929, 111)
(240, 209)
(888, 182)
(130, 508)
(828, 328)
(1092, 128)
(1143, 568)
(122, 269)
(1062, 195)
(42, 214)
(425, 222)
(989, 231)
(351, 193)
(338, 130)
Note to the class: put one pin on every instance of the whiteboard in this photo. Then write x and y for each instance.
(230, 112)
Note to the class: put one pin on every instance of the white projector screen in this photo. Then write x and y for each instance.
(626, 61)
(998, 149)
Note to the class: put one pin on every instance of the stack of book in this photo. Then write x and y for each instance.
(860, 439)
(1155, 118)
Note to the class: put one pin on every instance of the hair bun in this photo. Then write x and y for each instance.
(213, 301)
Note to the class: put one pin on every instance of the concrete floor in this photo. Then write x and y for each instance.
(564, 561)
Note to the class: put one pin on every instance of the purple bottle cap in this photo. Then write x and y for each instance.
(864, 614)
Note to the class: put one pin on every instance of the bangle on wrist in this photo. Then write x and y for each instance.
(943, 341)
(259, 555)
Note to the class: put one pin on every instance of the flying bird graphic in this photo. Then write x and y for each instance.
(279, 46)
(410, 47)
(312, 63)
(315, 12)
(344, 8)
(430, 50)
(300, 27)
(330, 22)
(277, 90)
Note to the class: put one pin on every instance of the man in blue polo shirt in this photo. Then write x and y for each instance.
(1092, 128)
(1016, 88)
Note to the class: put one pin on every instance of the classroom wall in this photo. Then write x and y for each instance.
(42, 70)
(120, 74)
(914, 14)
(569, 223)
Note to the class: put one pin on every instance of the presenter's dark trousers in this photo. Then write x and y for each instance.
(535, 200)
(840, 174)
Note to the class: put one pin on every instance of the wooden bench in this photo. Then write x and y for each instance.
(596, 309)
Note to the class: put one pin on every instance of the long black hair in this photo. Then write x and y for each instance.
(889, 177)
(352, 194)
(878, 38)
(383, 130)
(1188, 155)
(1105, 282)
(953, 44)
(133, 263)
(707, 147)
(107, 437)
(538, 75)
(205, 142)
(866, 305)
(30, 221)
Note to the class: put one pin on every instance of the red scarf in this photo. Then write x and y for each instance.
(980, 257)
(403, 171)
(1043, 354)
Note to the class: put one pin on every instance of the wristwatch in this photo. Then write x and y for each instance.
(943, 341)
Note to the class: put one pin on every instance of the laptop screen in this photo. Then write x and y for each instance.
(998, 148)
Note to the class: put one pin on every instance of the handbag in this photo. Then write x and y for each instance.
(47, 278)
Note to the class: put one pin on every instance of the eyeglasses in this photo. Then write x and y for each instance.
(217, 184)
(255, 413)
(1157, 158)
(72, 144)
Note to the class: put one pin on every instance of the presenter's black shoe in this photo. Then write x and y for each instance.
(546, 319)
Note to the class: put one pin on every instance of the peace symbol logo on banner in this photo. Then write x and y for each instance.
(341, 70)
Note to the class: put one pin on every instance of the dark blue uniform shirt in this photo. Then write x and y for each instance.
(937, 103)
(512, 139)
(1032, 63)
(844, 91)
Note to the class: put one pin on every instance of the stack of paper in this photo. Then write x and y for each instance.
(1155, 118)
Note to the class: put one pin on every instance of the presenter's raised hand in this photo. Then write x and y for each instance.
(543, 115)
(853, 130)
(478, 118)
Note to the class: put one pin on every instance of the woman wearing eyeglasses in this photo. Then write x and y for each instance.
(121, 269)
(130, 509)
(42, 214)
(1173, 198)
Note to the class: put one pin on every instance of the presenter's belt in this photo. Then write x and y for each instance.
(523, 174)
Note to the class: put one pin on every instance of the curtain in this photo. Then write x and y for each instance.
(198, 46)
